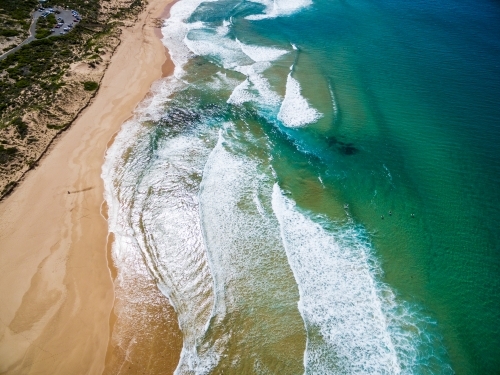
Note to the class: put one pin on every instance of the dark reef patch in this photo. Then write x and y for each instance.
(344, 148)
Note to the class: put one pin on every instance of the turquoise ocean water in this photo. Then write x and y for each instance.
(317, 188)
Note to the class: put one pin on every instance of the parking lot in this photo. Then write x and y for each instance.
(66, 19)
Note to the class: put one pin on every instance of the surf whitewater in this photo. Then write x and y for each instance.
(223, 183)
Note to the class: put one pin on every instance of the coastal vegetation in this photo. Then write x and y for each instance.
(44, 25)
(90, 85)
(46, 83)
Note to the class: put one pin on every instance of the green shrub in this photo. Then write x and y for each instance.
(21, 127)
(22, 83)
(18, 9)
(65, 53)
(51, 20)
(57, 127)
(90, 85)
(19, 14)
(9, 33)
(6, 153)
(43, 33)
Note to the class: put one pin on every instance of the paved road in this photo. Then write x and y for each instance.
(36, 16)
(66, 15)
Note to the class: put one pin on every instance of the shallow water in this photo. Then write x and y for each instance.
(315, 190)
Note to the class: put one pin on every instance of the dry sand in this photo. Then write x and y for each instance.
(56, 290)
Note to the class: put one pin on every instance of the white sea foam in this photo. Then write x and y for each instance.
(242, 93)
(175, 30)
(224, 50)
(244, 248)
(184, 40)
(295, 111)
(279, 8)
(168, 216)
(338, 298)
(255, 88)
(224, 29)
(153, 211)
(354, 324)
(259, 53)
(220, 81)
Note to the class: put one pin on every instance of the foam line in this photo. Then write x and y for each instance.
(334, 101)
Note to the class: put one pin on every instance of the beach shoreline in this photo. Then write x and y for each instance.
(56, 283)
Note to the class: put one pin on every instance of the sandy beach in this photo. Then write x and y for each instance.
(56, 287)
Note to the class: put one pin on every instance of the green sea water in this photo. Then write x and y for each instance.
(316, 190)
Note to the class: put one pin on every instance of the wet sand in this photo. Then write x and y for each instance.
(56, 287)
